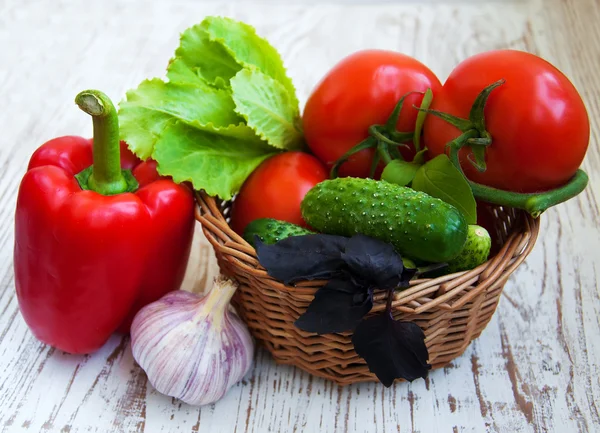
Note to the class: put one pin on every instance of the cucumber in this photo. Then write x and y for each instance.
(417, 225)
(270, 230)
(475, 251)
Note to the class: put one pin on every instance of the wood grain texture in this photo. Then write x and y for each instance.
(534, 369)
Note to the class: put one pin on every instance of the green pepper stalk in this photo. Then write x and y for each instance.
(105, 175)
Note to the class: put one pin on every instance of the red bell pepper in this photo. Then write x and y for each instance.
(98, 235)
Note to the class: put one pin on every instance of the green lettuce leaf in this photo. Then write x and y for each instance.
(155, 105)
(265, 105)
(206, 58)
(227, 105)
(180, 72)
(248, 49)
(212, 162)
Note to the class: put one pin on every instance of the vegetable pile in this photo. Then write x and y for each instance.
(381, 180)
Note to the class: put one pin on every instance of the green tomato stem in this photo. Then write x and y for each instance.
(533, 203)
(385, 138)
(394, 153)
(390, 125)
(367, 143)
(374, 131)
(425, 103)
(384, 153)
(476, 115)
(105, 176)
(374, 164)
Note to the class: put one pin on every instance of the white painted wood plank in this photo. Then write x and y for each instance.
(535, 367)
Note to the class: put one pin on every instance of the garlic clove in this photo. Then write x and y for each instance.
(193, 348)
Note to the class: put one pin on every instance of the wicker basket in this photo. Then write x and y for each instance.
(452, 310)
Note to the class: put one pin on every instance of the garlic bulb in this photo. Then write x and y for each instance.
(193, 348)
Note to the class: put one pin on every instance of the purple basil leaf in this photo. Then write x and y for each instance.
(375, 263)
(337, 307)
(346, 285)
(306, 257)
(392, 349)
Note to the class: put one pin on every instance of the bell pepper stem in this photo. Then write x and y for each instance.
(106, 176)
(533, 203)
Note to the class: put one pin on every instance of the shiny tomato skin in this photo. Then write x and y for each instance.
(538, 122)
(276, 189)
(360, 91)
(146, 173)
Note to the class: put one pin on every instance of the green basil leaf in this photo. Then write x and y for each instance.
(400, 172)
(440, 178)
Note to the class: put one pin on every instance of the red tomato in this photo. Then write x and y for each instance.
(360, 91)
(146, 173)
(128, 158)
(276, 189)
(538, 122)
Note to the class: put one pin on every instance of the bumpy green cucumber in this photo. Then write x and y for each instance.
(270, 230)
(475, 251)
(416, 224)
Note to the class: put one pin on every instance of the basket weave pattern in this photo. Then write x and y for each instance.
(451, 310)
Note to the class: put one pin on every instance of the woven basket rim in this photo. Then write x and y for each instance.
(447, 292)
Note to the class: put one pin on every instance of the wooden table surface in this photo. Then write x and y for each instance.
(534, 369)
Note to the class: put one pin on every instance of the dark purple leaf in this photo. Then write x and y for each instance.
(306, 257)
(375, 263)
(337, 307)
(392, 349)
